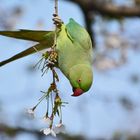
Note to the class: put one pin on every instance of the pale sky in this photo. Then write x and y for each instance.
(103, 115)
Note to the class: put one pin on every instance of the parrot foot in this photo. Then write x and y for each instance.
(57, 20)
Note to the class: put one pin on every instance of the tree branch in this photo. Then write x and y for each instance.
(90, 7)
(13, 131)
(108, 9)
(89, 22)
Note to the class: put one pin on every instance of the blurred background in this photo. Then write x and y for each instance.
(111, 109)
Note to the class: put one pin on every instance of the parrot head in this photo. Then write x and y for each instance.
(81, 78)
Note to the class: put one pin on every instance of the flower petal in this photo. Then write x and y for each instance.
(60, 128)
(47, 131)
(30, 112)
(53, 133)
(47, 120)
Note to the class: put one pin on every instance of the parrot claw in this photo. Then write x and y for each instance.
(57, 20)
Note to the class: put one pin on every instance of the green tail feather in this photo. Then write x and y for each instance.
(31, 35)
(24, 53)
(46, 39)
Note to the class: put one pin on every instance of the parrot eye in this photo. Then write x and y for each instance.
(79, 80)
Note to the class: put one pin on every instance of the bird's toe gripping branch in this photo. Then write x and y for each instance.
(57, 20)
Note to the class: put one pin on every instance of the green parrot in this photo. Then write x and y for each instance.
(74, 48)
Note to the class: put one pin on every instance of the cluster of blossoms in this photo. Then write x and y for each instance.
(54, 102)
(50, 130)
(50, 60)
(59, 128)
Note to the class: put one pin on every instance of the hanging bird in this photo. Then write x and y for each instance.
(74, 50)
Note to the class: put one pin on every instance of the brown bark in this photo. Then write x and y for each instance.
(108, 9)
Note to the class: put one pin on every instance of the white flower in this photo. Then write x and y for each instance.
(49, 131)
(59, 128)
(30, 112)
(47, 120)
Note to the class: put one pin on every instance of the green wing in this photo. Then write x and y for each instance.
(79, 34)
(31, 35)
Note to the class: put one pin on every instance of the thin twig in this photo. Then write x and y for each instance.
(56, 7)
(55, 14)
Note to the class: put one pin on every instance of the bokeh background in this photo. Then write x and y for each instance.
(111, 109)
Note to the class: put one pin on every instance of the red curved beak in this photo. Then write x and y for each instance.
(77, 92)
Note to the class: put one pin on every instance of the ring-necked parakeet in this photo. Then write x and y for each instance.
(74, 50)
